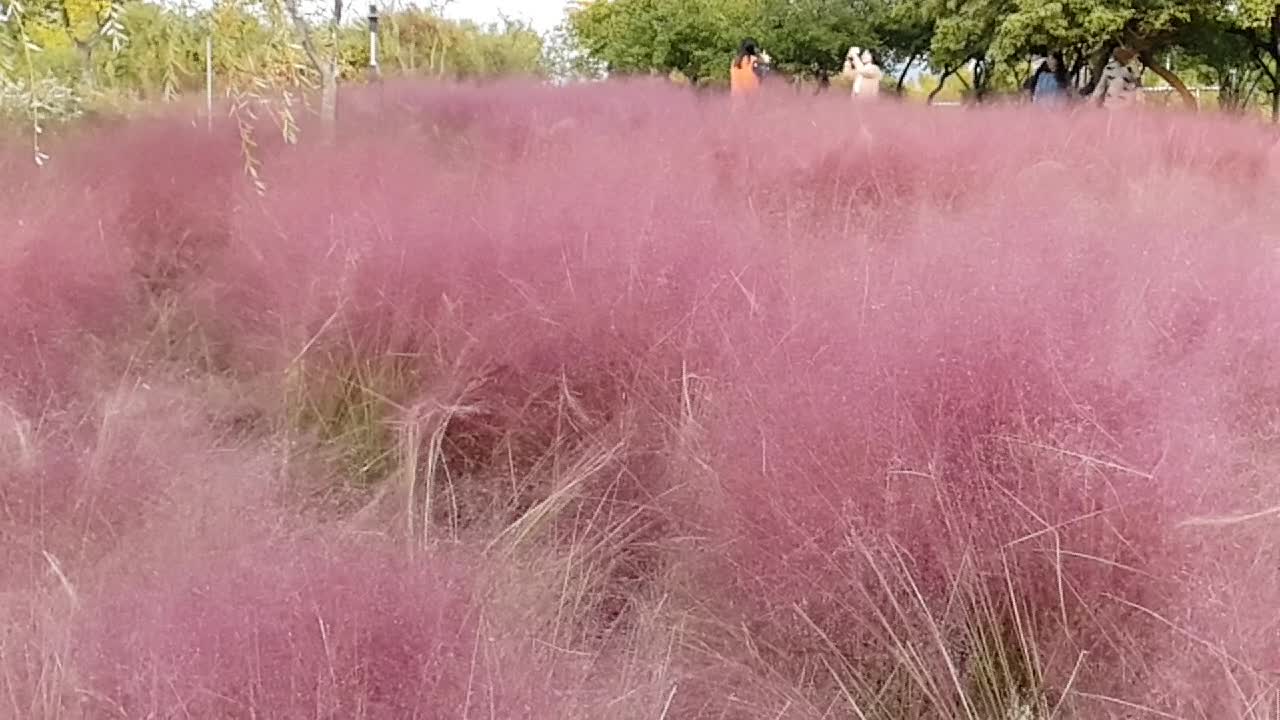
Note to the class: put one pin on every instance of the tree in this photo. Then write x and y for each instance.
(1257, 22)
(507, 48)
(77, 26)
(416, 41)
(322, 56)
(812, 36)
(966, 33)
(563, 59)
(697, 38)
(86, 24)
(693, 37)
(992, 32)
(1216, 54)
(165, 48)
(905, 30)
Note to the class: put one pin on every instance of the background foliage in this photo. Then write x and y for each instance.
(984, 45)
(104, 53)
(66, 58)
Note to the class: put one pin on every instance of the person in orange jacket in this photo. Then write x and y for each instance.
(744, 73)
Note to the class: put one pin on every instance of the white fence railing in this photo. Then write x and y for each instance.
(1159, 90)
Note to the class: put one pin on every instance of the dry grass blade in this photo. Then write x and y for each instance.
(63, 581)
(1091, 460)
(574, 477)
(1127, 705)
(1219, 521)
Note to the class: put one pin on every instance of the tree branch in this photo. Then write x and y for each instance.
(304, 30)
(902, 77)
(1245, 34)
(1252, 90)
(947, 72)
(1262, 63)
(1168, 76)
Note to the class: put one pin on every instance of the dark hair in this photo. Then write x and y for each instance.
(875, 58)
(1063, 78)
(1060, 74)
(748, 48)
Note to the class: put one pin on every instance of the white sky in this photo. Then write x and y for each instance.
(544, 14)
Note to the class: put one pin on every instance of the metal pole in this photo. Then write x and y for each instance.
(208, 80)
(373, 40)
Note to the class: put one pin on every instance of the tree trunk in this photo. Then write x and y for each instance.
(942, 82)
(329, 80)
(329, 96)
(84, 48)
(1275, 55)
(1078, 63)
(1270, 73)
(982, 72)
(1275, 100)
(902, 77)
(1168, 76)
(400, 51)
(325, 65)
(87, 71)
(1249, 92)
(1227, 91)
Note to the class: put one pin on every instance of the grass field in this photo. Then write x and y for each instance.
(611, 402)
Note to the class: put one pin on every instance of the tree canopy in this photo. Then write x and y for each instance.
(698, 38)
(987, 42)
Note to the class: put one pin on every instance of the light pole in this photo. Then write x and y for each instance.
(373, 40)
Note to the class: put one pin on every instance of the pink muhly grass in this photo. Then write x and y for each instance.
(658, 411)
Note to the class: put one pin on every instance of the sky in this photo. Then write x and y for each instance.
(544, 14)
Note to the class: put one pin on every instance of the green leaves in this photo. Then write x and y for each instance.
(1252, 13)
(698, 38)
(810, 34)
(420, 42)
(637, 36)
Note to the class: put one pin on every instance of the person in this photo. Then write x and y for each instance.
(764, 65)
(746, 71)
(860, 66)
(1049, 83)
(823, 82)
(1118, 87)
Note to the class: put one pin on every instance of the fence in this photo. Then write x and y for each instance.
(1162, 91)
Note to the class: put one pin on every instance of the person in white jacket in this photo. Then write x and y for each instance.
(860, 66)
(1118, 87)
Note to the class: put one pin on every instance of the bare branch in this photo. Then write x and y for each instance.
(1262, 63)
(304, 30)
